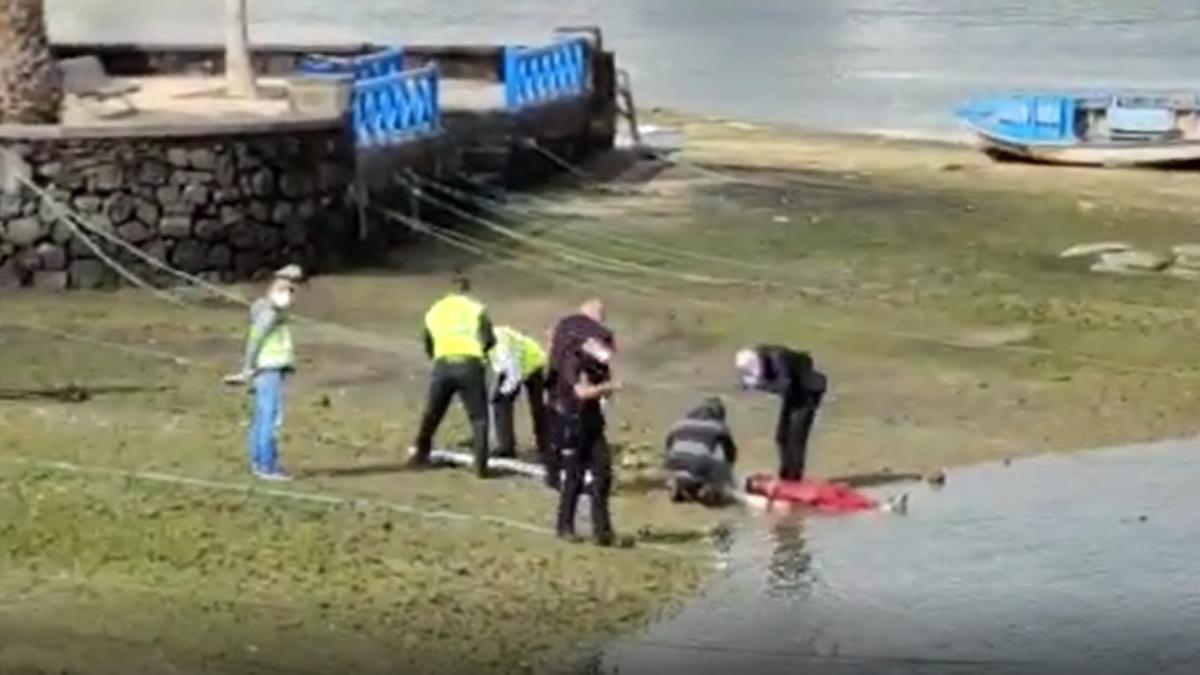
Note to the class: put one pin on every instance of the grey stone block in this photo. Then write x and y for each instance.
(175, 227)
(107, 177)
(53, 257)
(189, 255)
(120, 207)
(50, 281)
(209, 229)
(262, 183)
(244, 236)
(220, 257)
(89, 274)
(148, 213)
(203, 159)
(195, 194)
(177, 157)
(153, 172)
(134, 232)
(25, 231)
(282, 213)
(88, 204)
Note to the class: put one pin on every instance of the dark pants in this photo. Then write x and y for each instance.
(468, 379)
(584, 448)
(702, 472)
(502, 408)
(791, 433)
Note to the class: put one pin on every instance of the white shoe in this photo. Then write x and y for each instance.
(275, 476)
(897, 505)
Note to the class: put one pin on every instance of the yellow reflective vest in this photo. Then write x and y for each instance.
(453, 325)
(277, 351)
(514, 349)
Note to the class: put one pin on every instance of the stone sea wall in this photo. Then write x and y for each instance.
(225, 207)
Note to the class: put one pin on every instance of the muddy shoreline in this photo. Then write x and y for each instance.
(924, 277)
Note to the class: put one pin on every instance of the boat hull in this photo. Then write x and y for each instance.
(1097, 154)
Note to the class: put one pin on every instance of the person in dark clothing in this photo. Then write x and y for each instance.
(583, 444)
(701, 452)
(566, 341)
(791, 375)
(458, 335)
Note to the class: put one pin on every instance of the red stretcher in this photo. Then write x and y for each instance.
(817, 495)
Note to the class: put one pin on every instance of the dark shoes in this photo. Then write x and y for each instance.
(418, 463)
(605, 540)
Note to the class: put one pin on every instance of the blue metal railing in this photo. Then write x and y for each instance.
(396, 107)
(534, 75)
(375, 64)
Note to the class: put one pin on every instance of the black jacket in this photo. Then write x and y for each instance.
(789, 372)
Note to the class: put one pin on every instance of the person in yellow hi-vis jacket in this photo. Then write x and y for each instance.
(458, 335)
(519, 361)
(268, 361)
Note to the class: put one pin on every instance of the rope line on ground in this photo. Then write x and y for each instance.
(501, 209)
(97, 342)
(479, 247)
(566, 252)
(554, 271)
(65, 217)
(184, 276)
(251, 489)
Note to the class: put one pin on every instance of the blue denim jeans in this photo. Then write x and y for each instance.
(268, 417)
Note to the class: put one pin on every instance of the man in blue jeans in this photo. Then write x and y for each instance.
(268, 362)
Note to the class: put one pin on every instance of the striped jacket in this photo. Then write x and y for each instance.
(703, 432)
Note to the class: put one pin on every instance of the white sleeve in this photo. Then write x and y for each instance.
(507, 366)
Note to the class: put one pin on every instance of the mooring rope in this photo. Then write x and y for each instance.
(570, 253)
(211, 288)
(582, 230)
(552, 271)
(252, 489)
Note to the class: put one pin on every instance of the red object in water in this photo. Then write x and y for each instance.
(814, 494)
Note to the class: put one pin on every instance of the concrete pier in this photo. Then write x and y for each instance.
(228, 189)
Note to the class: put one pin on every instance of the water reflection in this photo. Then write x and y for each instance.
(1083, 563)
(789, 571)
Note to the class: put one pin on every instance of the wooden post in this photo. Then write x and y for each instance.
(239, 71)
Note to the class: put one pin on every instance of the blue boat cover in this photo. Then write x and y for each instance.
(1042, 119)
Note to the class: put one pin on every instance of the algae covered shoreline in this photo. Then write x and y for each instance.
(924, 278)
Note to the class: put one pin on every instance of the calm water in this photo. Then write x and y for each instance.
(892, 65)
(1072, 564)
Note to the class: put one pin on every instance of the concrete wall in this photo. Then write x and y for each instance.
(227, 206)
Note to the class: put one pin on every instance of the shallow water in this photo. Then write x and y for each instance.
(891, 65)
(1084, 563)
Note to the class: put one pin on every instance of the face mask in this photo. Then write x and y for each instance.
(281, 299)
(747, 381)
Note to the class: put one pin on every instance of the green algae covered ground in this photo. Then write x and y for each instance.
(925, 280)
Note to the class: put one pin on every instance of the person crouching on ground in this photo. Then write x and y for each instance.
(701, 452)
(268, 362)
(790, 375)
(519, 361)
(582, 442)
